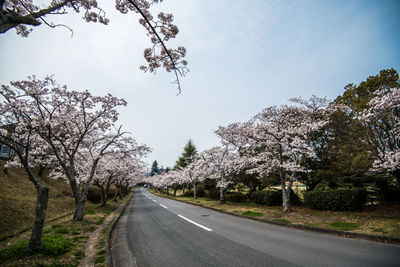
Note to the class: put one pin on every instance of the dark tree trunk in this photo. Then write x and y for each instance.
(41, 171)
(35, 241)
(103, 196)
(194, 190)
(80, 208)
(175, 191)
(116, 194)
(221, 196)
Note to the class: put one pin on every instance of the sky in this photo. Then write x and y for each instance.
(243, 56)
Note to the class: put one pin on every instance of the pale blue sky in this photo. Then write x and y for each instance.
(243, 56)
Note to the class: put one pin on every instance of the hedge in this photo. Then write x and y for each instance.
(268, 198)
(273, 197)
(236, 197)
(94, 194)
(199, 192)
(336, 199)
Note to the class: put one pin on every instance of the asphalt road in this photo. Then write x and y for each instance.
(156, 231)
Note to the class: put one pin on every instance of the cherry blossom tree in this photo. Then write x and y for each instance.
(280, 143)
(383, 114)
(218, 163)
(237, 137)
(71, 122)
(114, 165)
(17, 132)
(194, 173)
(21, 14)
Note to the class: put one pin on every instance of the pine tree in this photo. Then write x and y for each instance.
(188, 155)
(154, 168)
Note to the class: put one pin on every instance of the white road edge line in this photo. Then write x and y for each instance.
(154, 200)
(195, 223)
(163, 206)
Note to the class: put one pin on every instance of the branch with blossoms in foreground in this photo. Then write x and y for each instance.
(19, 14)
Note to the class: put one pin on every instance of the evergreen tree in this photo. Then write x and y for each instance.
(188, 156)
(154, 168)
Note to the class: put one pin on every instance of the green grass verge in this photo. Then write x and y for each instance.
(252, 213)
(281, 221)
(343, 226)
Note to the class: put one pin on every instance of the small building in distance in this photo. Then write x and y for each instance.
(6, 152)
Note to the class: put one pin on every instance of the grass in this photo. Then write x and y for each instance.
(281, 221)
(343, 226)
(252, 213)
(62, 244)
(63, 239)
(374, 220)
(18, 199)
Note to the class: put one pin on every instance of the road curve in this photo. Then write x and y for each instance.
(156, 231)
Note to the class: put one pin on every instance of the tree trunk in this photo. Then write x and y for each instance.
(183, 190)
(116, 194)
(175, 191)
(80, 208)
(286, 205)
(35, 241)
(221, 196)
(41, 170)
(103, 196)
(194, 190)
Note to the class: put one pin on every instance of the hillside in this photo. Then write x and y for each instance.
(18, 199)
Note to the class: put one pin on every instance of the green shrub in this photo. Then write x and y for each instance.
(336, 199)
(268, 198)
(273, 197)
(200, 192)
(236, 197)
(55, 245)
(94, 194)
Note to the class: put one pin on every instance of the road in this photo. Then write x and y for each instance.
(156, 231)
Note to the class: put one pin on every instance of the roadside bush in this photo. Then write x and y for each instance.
(268, 198)
(336, 199)
(213, 194)
(386, 190)
(273, 197)
(94, 194)
(199, 192)
(236, 197)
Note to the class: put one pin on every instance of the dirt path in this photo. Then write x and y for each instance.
(90, 247)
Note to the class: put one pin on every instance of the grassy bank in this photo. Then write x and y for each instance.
(64, 240)
(18, 200)
(373, 220)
